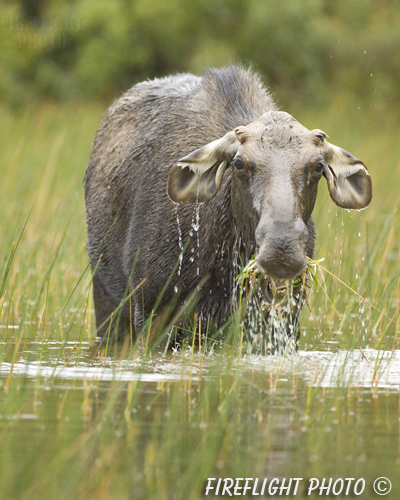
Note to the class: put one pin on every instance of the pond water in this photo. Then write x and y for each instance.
(83, 420)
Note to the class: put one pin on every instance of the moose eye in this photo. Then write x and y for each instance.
(319, 168)
(238, 164)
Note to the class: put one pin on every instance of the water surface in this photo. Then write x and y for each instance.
(77, 421)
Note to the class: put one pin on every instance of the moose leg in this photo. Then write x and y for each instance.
(107, 320)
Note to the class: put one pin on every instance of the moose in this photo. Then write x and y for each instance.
(187, 174)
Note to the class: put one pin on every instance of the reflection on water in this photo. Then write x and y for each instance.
(358, 368)
(80, 420)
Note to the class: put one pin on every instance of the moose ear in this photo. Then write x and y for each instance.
(349, 182)
(198, 176)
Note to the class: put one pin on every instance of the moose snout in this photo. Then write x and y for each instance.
(282, 249)
(285, 267)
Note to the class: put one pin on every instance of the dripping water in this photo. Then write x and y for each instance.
(271, 328)
(180, 241)
(196, 227)
(341, 252)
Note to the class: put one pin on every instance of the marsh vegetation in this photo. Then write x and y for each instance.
(80, 418)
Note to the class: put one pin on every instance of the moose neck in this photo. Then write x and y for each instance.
(236, 227)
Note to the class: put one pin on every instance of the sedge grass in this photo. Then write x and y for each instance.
(165, 420)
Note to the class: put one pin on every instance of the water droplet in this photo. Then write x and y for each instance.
(180, 240)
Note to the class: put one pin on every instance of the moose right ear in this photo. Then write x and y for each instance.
(198, 176)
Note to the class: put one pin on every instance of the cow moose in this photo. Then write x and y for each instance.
(211, 163)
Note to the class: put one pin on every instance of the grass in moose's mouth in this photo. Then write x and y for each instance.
(279, 288)
(81, 419)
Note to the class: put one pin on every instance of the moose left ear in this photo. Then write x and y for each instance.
(349, 182)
